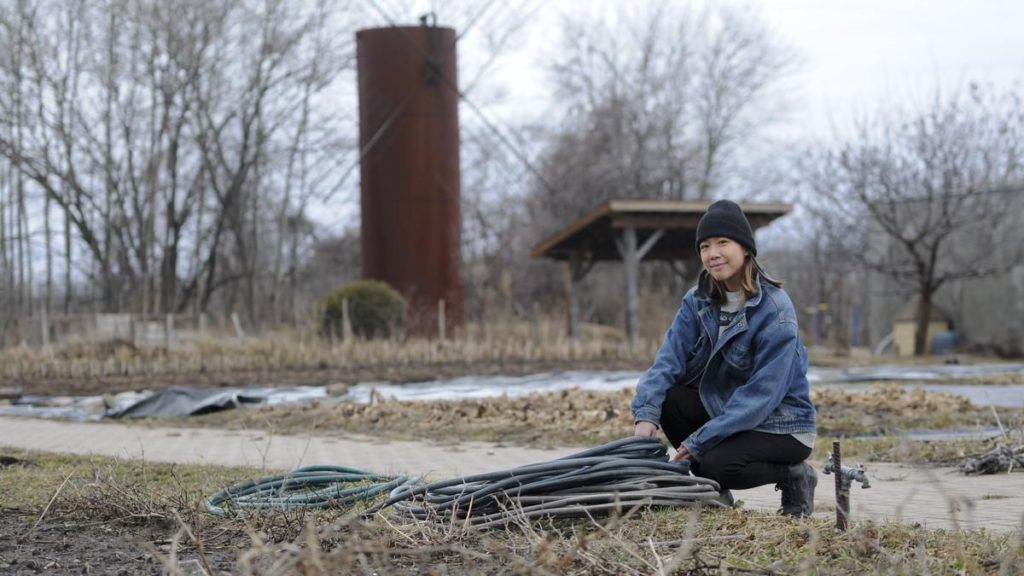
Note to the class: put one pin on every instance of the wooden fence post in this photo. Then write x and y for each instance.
(441, 319)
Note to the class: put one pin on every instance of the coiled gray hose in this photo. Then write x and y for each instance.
(621, 475)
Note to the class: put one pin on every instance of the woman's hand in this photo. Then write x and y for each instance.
(682, 454)
(644, 428)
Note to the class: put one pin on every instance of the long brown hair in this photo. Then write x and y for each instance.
(751, 271)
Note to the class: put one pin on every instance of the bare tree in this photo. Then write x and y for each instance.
(919, 194)
(134, 118)
(6, 274)
(826, 283)
(23, 16)
(657, 103)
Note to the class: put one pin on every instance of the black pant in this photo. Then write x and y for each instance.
(741, 461)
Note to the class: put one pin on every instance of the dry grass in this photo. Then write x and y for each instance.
(301, 356)
(887, 408)
(649, 542)
(502, 347)
(166, 499)
(565, 418)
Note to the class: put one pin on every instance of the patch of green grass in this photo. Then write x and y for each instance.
(31, 483)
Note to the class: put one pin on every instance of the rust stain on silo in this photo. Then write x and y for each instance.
(410, 187)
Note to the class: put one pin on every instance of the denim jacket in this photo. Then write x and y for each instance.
(752, 378)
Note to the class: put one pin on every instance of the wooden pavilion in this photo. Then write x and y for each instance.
(630, 231)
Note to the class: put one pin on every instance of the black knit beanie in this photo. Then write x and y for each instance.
(725, 218)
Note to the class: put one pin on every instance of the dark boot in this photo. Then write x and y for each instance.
(726, 498)
(798, 491)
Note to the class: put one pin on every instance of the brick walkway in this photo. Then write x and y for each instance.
(933, 497)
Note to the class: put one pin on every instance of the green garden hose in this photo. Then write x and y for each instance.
(309, 487)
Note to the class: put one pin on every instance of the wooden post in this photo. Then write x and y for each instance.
(574, 298)
(579, 265)
(535, 326)
(441, 319)
(169, 331)
(238, 325)
(346, 322)
(45, 326)
(628, 252)
(631, 257)
(842, 495)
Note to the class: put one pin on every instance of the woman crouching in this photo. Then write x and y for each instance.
(729, 384)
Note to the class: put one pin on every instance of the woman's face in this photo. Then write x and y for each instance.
(723, 258)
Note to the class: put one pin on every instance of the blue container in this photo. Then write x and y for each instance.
(944, 343)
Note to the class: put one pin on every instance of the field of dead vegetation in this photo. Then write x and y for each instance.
(92, 515)
(302, 358)
(872, 422)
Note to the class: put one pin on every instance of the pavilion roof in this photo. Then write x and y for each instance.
(593, 234)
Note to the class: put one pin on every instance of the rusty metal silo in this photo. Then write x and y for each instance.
(410, 186)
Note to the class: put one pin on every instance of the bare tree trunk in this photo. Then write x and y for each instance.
(251, 257)
(68, 289)
(10, 252)
(149, 211)
(5, 260)
(25, 252)
(300, 216)
(24, 244)
(75, 14)
(924, 314)
(283, 229)
(108, 160)
(293, 265)
(49, 255)
(198, 308)
(840, 314)
(19, 179)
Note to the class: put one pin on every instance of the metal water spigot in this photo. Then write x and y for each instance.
(845, 478)
(850, 475)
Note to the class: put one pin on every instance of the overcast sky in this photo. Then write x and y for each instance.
(854, 53)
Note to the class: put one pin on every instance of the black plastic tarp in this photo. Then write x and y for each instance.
(185, 401)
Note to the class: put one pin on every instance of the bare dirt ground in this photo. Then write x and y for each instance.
(81, 515)
(81, 547)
